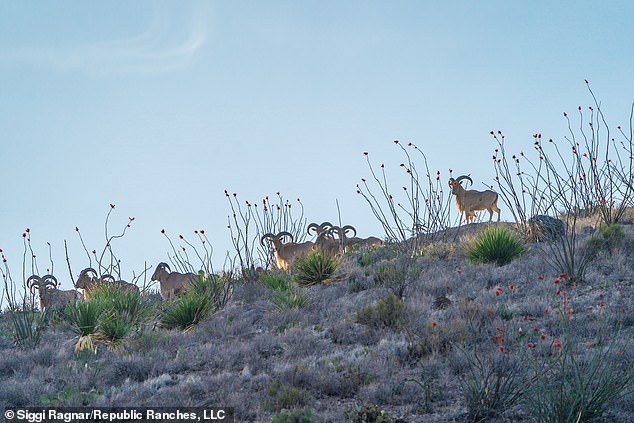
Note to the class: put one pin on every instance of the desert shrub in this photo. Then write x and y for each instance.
(365, 258)
(209, 293)
(389, 274)
(368, 256)
(289, 298)
(297, 416)
(114, 328)
(608, 237)
(315, 268)
(28, 326)
(369, 414)
(186, 311)
(397, 277)
(283, 295)
(218, 288)
(492, 384)
(285, 397)
(108, 316)
(388, 312)
(84, 320)
(427, 383)
(439, 250)
(69, 397)
(495, 245)
(276, 281)
(566, 388)
(355, 285)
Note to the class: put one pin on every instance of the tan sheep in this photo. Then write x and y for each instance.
(468, 201)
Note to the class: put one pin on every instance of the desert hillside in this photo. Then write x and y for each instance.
(433, 337)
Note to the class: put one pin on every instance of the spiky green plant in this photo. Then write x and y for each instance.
(108, 316)
(208, 294)
(289, 298)
(84, 320)
(187, 311)
(495, 245)
(296, 416)
(114, 328)
(315, 268)
(28, 326)
(276, 281)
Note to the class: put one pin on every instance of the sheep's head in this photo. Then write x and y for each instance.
(276, 239)
(161, 268)
(85, 277)
(342, 233)
(455, 183)
(41, 284)
(322, 230)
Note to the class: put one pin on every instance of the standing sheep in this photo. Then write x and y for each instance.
(468, 201)
(172, 283)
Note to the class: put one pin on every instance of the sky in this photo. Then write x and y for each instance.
(158, 107)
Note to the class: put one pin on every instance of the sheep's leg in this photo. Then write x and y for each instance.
(496, 209)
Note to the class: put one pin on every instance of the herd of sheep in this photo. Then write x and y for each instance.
(330, 239)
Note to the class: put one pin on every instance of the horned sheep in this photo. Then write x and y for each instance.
(286, 253)
(172, 283)
(88, 280)
(468, 201)
(50, 296)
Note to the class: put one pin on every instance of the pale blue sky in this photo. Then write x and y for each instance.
(158, 107)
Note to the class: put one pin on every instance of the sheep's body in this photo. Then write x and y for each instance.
(286, 253)
(354, 241)
(56, 298)
(50, 296)
(88, 283)
(325, 240)
(371, 241)
(328, 245)
(172, 283)
(469, 201)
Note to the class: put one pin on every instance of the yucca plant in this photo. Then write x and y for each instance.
(315, 268)
(28, 327)
(84, 320)
(187, 311)
(129, 307)
(108, 316)
(495, 245)
(113, 328)
(208, 294)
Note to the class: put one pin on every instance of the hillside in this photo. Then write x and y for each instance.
(354, 343)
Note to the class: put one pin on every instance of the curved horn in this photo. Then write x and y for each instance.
(317, 228)
(108, 278)
(33, 281)
(460, 178)
(347, 228)
(266, 236)
(285, 233)
(86, 270)
(325, 225)
(335, 230)
(50, 280)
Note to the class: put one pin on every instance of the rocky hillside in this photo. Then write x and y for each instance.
(438, 337)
